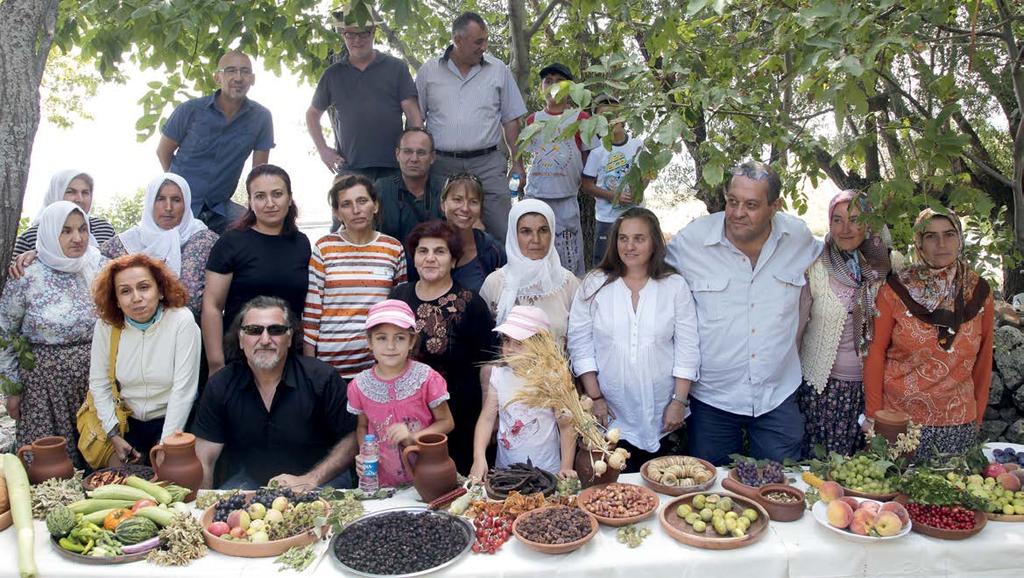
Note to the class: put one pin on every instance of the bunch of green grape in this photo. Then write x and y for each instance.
(861, 473)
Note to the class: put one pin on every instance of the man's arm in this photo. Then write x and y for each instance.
(327, 154)
(208, 452)
(511, 130)
(411, 108)
(340, 457)
(260, 158)
(165, 152)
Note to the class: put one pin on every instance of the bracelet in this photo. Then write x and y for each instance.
(683, 400)
(596, 397)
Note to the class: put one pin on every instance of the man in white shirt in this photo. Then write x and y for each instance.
(746, 267)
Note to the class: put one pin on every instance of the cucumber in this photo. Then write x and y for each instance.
(161, 516)
(156, 492)
(119, 492)
(98, 516)
(91, 505)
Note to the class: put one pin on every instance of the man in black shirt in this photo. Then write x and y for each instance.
(277, 416)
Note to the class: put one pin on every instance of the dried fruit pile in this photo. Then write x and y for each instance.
(555, 526)
(620, 501)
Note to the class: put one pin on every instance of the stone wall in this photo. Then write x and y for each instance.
(1004, 416)
(6, 429)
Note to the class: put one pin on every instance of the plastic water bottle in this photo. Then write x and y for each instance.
(370, 451)
(514, 180)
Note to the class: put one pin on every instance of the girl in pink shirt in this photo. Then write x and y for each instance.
(397, 399)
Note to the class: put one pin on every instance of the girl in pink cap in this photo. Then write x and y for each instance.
(524, 433)
(398, 398)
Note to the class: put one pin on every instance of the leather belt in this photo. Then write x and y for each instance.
(468, 154)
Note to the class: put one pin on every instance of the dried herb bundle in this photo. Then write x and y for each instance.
(54, 492)
(182, 541)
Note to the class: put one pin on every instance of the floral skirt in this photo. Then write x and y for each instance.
(830, 417)
(947, 439)
(54, 390)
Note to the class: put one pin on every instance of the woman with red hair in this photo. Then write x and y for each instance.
(141, 302)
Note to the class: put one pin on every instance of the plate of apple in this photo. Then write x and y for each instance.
(860, 519)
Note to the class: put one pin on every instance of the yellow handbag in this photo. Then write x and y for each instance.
(93, 442)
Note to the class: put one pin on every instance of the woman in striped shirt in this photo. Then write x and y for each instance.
(349, 271)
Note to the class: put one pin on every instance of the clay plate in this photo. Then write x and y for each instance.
(88, 486)
(96, 561)
(943, 534)
(554, 548)
(586, 495)
(679, 490)
(1004, 517)
(250, 550)
(747, 490)
(496, 495)
(680, 531)
(6, 519)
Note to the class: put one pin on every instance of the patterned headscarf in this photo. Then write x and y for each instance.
(861, 271)
(945, 297)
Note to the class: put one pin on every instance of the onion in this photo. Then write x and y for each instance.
(141, 547)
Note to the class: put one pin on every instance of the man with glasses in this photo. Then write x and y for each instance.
(746, 267)
(206, 141)
(413, 196)
(471, 102)
(369, 91)
(272, 414)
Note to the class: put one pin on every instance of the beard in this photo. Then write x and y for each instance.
(265, 359)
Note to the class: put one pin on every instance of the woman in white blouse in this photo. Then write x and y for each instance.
(633, 337)
(157, 364)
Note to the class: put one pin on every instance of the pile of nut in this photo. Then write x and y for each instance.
(620, 501)
(555, 525)
(781, 497)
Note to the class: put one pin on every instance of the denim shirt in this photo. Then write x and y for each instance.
(747, 317)
(212, 150)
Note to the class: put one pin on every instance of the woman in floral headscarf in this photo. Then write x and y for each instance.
(840, 300)
(931, 356)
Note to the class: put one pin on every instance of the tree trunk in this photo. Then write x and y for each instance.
(25, 40)
(519, 44)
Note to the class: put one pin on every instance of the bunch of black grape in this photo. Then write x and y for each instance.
(225, 506)
(772, 474)
(266, 496)
(749, 474)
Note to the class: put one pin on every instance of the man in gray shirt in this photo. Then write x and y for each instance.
(470, 101)
(369, 91)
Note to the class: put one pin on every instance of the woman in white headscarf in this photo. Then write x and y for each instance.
(533, 275)
(67, 185)
(170, 233)
(51, 309)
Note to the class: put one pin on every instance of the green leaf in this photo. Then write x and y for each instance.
(714, 171)
(696, 6)
(852, 65)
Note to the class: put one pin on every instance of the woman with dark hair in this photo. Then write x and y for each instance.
(263, 254)
(633, 337)
(462, 201)
(50, 308)
(157, 364)
(931, 356)
(454, 327)
(349, 271)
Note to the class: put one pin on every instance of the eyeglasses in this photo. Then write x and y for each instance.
(273, 330)
(463, 177)
(357, 35)
(407, 152)
(232, 71)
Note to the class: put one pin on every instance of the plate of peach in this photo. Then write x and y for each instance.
(863, 520)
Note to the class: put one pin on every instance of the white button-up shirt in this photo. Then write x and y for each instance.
(748, 317)
(636, 354)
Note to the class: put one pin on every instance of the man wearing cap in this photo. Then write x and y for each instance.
(470, 101)
(556, 168)
(206, 141)
(274, 415)
(370, 91)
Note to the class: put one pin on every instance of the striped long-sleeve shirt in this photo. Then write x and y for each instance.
(344, 281)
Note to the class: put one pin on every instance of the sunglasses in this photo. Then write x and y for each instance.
(463, 177)
(273, 330)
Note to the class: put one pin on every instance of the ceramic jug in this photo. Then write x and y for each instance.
(49, 459)
(584, 466)
(174, 460)
(433, 471)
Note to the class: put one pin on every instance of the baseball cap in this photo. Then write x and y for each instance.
(523, 322)
(557, 68)
(391, 311)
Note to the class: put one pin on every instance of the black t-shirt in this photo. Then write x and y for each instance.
(276, 265)
(307, 417)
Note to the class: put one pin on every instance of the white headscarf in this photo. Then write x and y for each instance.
(164, 244)
(58, 185)
(525, 277)
(51, 222)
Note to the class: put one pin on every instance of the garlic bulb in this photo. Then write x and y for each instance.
(613, 435)
(600, 468)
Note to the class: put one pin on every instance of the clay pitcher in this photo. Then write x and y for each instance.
(890, 423)
(178, 463)
(49, 459)
(433, 472)
(584, 466)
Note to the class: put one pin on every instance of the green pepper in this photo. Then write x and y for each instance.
(71, 545)
(88, 546)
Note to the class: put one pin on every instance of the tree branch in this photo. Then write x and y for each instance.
(396, 41)
(987, 169)
(542, 17)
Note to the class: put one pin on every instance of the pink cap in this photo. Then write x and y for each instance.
(391, 311)
(523, 322)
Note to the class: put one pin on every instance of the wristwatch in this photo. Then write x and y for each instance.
(683, 400)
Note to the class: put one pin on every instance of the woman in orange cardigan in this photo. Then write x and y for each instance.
(932, 353)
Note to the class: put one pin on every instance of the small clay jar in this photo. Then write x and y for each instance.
(584, 466)
(782, 511)
(49, 459)
(174, 460)
(890, 423)
(433, 471)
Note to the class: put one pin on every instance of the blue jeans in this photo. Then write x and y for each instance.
(601, 231)
(714, 434)
(219, 223)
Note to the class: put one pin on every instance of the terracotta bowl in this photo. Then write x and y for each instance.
(680, 531)
(744, 489)
(679, 490)
(586, 495)
(250, 550)
(89, 485)
(554, 548)
(782, 511)
(980, 519)
(94, 560)
(6, 519)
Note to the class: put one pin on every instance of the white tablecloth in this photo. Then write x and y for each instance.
(793, 549)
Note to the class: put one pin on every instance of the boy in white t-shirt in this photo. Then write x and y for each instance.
(604, 171)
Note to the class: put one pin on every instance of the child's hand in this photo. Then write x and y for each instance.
(478, 471)
(399, 434)
(359, 465)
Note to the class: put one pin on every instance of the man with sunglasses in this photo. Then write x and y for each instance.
(206, 141)
(369, 92)
(745, 267)
(274, 415)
